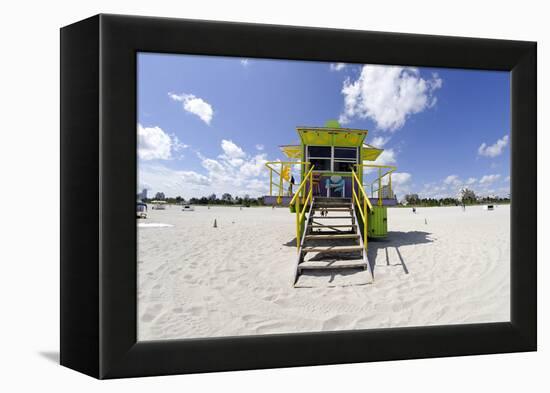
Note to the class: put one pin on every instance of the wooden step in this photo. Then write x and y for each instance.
(328, 226)
(333, 209)
(332, 236)
(332, 249)
(331, 264)
(331, 199)
(335, 204)
(330, 217)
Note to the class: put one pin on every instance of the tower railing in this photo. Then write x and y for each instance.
(377, 186)
(280, 175)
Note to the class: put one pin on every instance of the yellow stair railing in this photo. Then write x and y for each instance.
(362, 201)
(300, 202)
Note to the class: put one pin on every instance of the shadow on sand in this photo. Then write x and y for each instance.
(395, 240)
(52, 356)
(291, 243)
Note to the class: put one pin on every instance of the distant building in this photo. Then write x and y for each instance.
(387, 192)
(142, 195)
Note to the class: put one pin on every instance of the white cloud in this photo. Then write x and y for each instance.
(388, 95)
(507, 179)
(387, 157)
(213, 166)
(245, 62)
(492, 192)
(254, 167)
(260, 147)
(159, 178)
(452, 180)
(153, 143)
(257, 187)
(177, 145)
(400, 177)
(195, 105)
(236, 172)
(221, 174)
(232, 153)
(488, 179)
(231, 150)
(495, 149)
(434, 190)
(400, 183)
(451, 185)
(337, 66)
(379, 141)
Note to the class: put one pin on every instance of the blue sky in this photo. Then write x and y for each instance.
(208, 124)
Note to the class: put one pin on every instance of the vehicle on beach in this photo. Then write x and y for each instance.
(141, 210)
(158, 205)
(187, 208)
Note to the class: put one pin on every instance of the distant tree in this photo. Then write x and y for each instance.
(179, 199)
(465, 195)
(227, 198)
(412, 199)
(446, 202)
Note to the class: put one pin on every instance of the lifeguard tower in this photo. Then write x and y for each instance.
(324, 182)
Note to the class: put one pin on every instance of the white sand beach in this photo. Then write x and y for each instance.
(440, 266)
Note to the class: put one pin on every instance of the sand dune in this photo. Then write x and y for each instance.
(439, 266)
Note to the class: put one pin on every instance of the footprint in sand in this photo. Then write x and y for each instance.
(252, 318)
(156, 292)
(284, 302)
(151, 312)
(397, 307)
(269, 298)
(363, 320)
(339, 322)
(196, 311)
(271, 327)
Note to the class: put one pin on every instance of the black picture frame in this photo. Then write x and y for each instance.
(98, 188)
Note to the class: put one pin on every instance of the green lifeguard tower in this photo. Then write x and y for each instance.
(324, 182)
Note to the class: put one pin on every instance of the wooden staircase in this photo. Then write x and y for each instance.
(331, 239)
